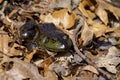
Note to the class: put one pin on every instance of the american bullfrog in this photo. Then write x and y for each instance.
(44, 35)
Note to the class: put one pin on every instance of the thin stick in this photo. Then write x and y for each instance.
(104, 73)
(1, 52)
(4, 5)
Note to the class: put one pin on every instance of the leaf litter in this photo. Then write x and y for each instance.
(92, 25)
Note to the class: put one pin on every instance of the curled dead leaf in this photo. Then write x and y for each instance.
(82, 6)
(91, 68)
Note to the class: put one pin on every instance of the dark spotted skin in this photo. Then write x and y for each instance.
(46, 36)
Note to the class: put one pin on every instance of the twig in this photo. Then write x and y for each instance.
(1, 52)
(73, 38)
(4, 5)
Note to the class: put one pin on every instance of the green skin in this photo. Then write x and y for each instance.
(55, 45)
(52, 38)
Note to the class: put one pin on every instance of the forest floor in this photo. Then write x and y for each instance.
(88, 29)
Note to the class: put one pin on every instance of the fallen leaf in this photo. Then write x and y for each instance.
(100, 29)
(87, 13)
(86, 75)
(86, 34)
(60, 69)
(40, 52)
(51, 75)
(75, 3)
(109, 61)
(4, 44)
(14, 52)
(111, 8)
(21, 70)
(60, 4)
(91, 68)
(1, 1)
(82, 6)
(43, 7)
(69, 78)
(102, 14)
(29, 56)
(4, 39)
(64, 18)
(45, 64)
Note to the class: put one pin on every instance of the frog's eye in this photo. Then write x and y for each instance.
(27, 31)
(28, 34)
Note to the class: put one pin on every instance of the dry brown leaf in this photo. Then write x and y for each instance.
(61, 66)
(12, 13)
(20, 71)
(87, 13)
(86, 75)
(42, 7)
(100, 29)
(109, 61)
(102, 14)
(64, 18)
(1, 1)
(51, 75)
(29, 56)
(86, 34)
(89, 55)
(45, 64)
(3, 43)
(91, 68)
(60, 3)
(4, 40)
(69, 78)
(111, 8)
(40, 52)
(36, 1)
(13, 51)
(82, 6)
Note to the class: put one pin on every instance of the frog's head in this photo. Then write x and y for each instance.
(28, 31)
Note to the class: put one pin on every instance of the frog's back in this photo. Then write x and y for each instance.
(50, 30)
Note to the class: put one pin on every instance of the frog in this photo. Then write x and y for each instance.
(44, 35)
